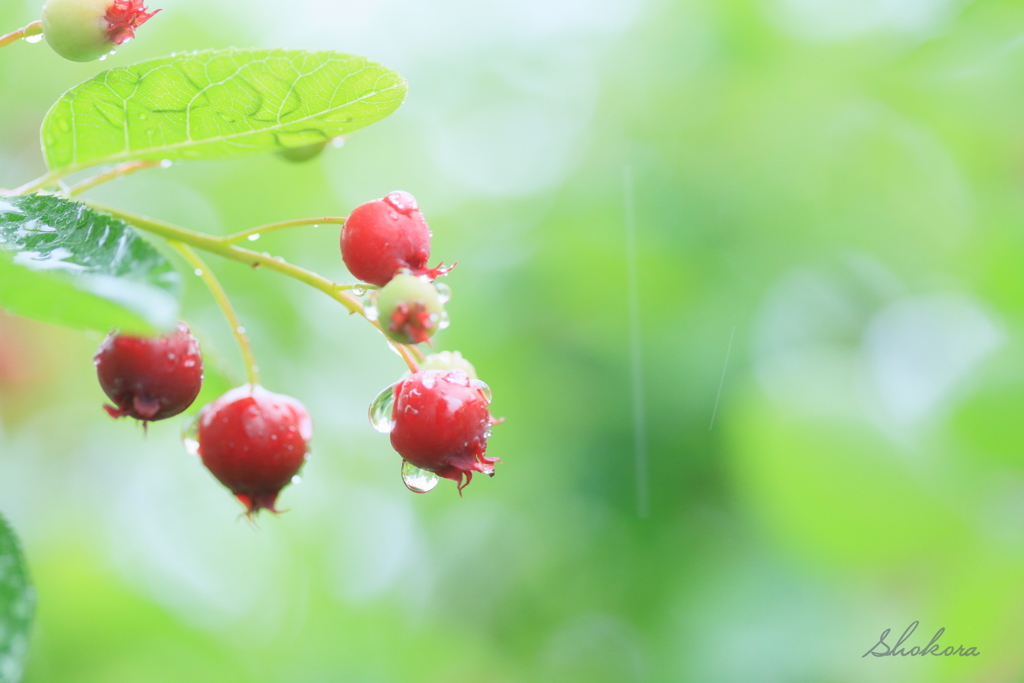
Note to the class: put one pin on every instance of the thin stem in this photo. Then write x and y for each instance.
(255, 233)
(33, 29)
(118, 171)
(41, 182)
(220, 296)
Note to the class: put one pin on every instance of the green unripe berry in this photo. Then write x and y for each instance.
(410, 309)
(84, 30)
(448, 360)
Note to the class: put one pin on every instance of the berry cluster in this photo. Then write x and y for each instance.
(254, 441)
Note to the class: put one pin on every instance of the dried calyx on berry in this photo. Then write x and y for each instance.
(254, 442)
(385, 236)
(84, 30)
(150, 378)
(440, 422)
(410, 310)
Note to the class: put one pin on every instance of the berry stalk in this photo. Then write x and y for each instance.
(221, 297)
(33, 29)
(219, 246)
(255, 233)
(127, 168)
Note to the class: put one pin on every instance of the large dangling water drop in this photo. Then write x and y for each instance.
(190, 435)
(359, 291)
(443, 321)
(418, 480)
(380, 410)
(34, 39)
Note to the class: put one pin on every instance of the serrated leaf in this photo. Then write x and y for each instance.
(17, 606)
(216, 104)
(62, 262)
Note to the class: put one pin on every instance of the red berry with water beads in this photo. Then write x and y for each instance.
(440, 422)
(409, 309)
(150, 378)
(385, 236)
(84, 30)
(254, 442)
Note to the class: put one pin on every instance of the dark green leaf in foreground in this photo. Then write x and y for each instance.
(62, 262)
(217, 104)
(17, 605)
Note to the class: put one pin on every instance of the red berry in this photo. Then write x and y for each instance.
(440, 423)
(384, 236)
(254, 442)
(150, 378)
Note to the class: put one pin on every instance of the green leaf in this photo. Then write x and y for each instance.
(17, 606)
(62, 262)
(216, 104)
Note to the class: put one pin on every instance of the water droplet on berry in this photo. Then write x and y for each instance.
(199, 272)
(189, 363)
(34, 39)
(380, 410)
(401, 201)
(444, 292)
(393, 215)
(190, 435)
(482, 386)
(253, 237)
(428, 380)
(443, 321)
(370, 308)
(418, 480)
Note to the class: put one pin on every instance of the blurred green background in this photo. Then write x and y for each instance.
(824, 438)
